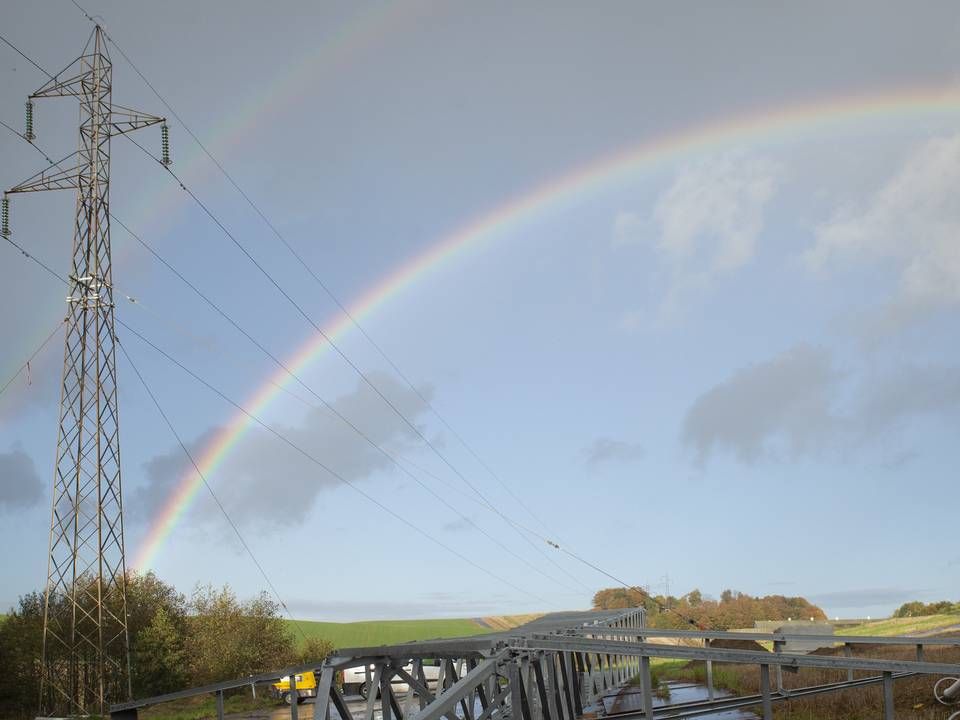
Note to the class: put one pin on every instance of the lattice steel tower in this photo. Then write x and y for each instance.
(86, 655)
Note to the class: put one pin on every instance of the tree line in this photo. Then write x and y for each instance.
(733, 610)
(920, 609)
(175, 641)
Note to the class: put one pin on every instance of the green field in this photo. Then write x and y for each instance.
(904, 626)
(388, 632)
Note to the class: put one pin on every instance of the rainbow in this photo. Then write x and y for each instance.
(356, 33)
(765, 125)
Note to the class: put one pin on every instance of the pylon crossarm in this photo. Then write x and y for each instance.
(126, 120)
(68, 82)
(55, 177)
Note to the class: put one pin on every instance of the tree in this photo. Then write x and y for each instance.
(735, 609)
(313, 649)
(21, 640)
(160, 665)
(229, 639)
(156, 621)
(919, 609)
(618, 598)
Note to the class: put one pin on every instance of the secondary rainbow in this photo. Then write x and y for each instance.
(358, 32)
(264, 109)
(766, 125)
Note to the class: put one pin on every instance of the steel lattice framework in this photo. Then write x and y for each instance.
(576, 666)
(85, 661)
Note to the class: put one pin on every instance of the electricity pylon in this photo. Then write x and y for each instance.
(86, 651)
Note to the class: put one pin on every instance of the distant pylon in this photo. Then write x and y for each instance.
(85, 664)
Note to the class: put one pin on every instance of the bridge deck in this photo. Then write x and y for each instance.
(561, 665)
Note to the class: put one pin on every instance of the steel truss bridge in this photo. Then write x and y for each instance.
(569, 666)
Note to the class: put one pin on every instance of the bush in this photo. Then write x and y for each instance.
(919, 609)
(229, 639)
(734, 610)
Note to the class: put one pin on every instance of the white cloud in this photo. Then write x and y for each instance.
(711, 216)
(706, 224)
(912, 223)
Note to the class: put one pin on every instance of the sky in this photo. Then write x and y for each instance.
(699, 330)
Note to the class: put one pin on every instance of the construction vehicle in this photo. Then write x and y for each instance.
(306, 687)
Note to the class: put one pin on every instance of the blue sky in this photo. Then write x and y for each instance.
(736, 367)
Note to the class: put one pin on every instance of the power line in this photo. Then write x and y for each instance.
(319, 463)
(322, 400)
(342, 307)
(353, 366)
(24, 56)
(293, 445)
(380, 505)
(216, 499)
(328, 406)
(363, 377)
(29, 360)
(243, 542)
(332, 344)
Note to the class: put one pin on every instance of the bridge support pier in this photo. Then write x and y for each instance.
(646, 687)
(888, 696)
(294, 697)
(765, 692)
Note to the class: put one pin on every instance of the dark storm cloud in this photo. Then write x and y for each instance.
(608, 449)
(790, 403)
(263, 470)
(20, 485)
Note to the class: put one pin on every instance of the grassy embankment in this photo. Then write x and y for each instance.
(390, 632)
(905, 626)
(913, 696)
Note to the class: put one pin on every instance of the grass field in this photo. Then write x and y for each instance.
(205, 706)
(904, 626)
(388, 632)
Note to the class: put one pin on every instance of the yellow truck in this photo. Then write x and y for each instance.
(306, 687)
(352, 680)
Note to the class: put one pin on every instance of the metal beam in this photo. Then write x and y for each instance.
(736, 656)
(446, 701)
(768, 637)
